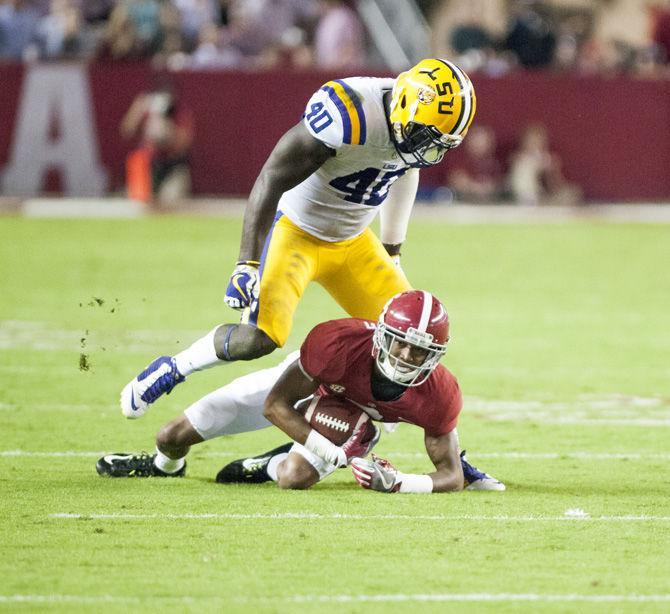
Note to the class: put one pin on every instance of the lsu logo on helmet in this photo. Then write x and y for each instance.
(432, 107)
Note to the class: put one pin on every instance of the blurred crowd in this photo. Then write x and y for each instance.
(177, 34)
(530, 174)
(495, 36)
(580, 36)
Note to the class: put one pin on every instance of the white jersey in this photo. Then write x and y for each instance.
(340, 200)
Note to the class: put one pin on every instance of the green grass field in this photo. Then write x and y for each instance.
(561, 343)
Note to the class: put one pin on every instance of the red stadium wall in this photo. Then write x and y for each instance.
(613, 134)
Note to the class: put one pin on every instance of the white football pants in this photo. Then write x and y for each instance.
(238, 408)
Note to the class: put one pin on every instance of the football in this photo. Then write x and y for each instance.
(336, 418)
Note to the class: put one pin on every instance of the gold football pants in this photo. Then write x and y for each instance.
(358, 273)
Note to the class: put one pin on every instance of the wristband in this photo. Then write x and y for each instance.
(414, 483)
(325, 449)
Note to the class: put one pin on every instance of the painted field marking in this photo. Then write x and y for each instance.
(475, 597)
(80, 599)
(42, 407)
(586, 410)
(381, 598)
(39, 335)
(375, 517)
(496, 455)
(614, 410)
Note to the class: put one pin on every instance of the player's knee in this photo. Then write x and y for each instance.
(295, 473)
(177, 434)
(243, 342)
(262, 343)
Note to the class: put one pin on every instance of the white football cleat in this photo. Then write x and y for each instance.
(478, 480)
(159, 378)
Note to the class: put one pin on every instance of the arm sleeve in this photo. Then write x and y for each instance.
(395, 212)
(322, 355)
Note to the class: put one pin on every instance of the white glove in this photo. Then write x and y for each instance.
(341, 456)
(376, 474)
(243, 286)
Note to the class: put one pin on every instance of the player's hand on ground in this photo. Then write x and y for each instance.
(355, 446)
(243, 286)
(375, 474)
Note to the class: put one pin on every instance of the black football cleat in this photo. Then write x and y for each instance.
(122, 465)
(250, 470)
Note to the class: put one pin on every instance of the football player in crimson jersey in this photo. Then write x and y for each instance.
(356, 152)
(390, 370)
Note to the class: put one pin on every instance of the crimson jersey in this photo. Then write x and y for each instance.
(338, 354)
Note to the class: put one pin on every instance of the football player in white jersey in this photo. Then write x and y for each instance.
(357, 151)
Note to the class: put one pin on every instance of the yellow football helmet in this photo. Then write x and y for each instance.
(432, 106)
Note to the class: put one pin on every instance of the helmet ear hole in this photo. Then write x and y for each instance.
(403, 101)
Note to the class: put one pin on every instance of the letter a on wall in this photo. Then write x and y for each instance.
(55, 130)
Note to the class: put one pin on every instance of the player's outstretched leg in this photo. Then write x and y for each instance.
(225, 343)
(142, 465)
(253, 470)
(478, 480)
(159, 378)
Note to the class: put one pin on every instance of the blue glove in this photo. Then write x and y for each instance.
(243, 287)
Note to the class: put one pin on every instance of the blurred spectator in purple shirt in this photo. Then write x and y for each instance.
(195, 14)
(18, 28)
(258, 29)
(339, 40)
(210, 53)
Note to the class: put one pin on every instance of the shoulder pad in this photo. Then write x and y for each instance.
(334, 115)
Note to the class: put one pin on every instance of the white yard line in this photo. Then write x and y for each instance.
(545, 420)
(498, 455)
(441, 210)
(79, 599)
(67, 453)
(546, 455)
(585, 410)
(611, 410)
(374, 517)
(58, 407)
(380, 598)
(476, 597)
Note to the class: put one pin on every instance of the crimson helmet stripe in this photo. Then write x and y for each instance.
(426, 311)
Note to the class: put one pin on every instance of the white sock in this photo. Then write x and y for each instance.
(273, 463)
(167, 464)
(200, 355)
